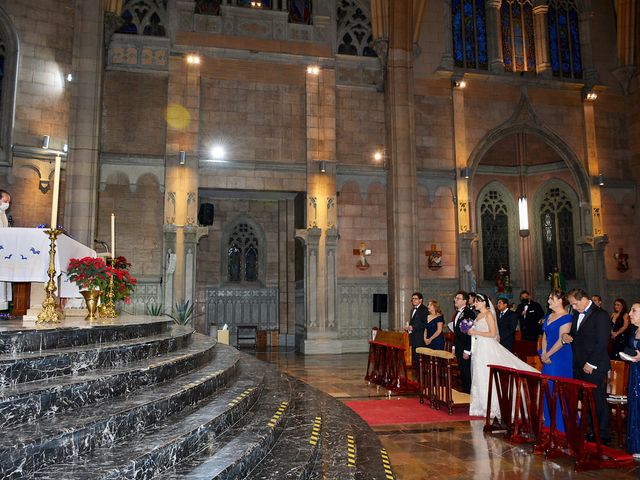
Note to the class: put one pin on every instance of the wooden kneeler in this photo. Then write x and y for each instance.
(436, 374)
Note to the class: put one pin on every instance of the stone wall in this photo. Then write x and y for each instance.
(134, 113)
(29, 206)
(45, 32)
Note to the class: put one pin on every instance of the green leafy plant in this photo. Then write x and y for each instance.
(154, 309)
(184, 313)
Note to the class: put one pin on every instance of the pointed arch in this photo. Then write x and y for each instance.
(9, 52)
(243, 252)
(489, 196)
(525, 120)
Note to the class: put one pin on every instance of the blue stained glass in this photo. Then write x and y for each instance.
(553, 41)
(481, 35)
(565, 48)
(530, 38)
(469, 35)
(575, 43)
(456, 17)
(505, 16)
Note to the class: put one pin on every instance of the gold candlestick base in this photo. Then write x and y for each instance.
(108, 310)
(51, 313)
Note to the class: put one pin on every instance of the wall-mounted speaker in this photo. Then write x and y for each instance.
(379, 303)
(205, 214)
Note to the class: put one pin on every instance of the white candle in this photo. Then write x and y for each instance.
(56, 194)
(113, 235)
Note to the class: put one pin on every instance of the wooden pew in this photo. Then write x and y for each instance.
(389, 355)
(435, 380)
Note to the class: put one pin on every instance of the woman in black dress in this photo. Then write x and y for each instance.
(619, 327)
(433, 336)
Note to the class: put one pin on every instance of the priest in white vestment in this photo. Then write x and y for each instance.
(5, 287)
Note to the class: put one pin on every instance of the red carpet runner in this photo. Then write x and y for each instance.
(404, 410)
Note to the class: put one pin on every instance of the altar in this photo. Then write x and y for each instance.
(24, 257)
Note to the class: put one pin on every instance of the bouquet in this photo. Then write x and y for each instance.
(89, 273)
(123, 282)
(465, 325)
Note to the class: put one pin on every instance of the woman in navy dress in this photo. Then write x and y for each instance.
(433, 336)
(619, 327)
(633, 398)
(557, 359)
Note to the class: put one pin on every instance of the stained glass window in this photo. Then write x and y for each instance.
(495, 234)
(300, 11)
(556, 217)
(518, 40)
(564, 39)
(144, 17)
(469, 34)
(354, 29)
(243, 254)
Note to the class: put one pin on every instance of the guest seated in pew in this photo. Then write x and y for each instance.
(433, 336)
(633, 395)
(557, 358)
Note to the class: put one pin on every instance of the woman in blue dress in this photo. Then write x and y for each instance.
(433, 336)
(557, 359)
(633, 398)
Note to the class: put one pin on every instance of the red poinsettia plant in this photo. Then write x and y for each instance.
(94, 274)
(89, 273)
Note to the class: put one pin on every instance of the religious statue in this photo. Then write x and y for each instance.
(503, 283)
(557, 280)
(362, 252)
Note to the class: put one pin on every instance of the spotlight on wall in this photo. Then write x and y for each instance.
(458, 83)
(465, 172)
(313, 70)
(65, 147)
(218, 152)
(256, 4)
(589, 94)
(182, 157)
(377, 156)
(193, 59)
(322, 166)
(69, 77)
(45, 142)
(600, 180)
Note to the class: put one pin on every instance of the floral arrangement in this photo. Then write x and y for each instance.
(94, 274)
(465, 325)
(89, 273)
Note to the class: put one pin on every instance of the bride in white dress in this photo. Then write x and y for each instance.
(486, 350)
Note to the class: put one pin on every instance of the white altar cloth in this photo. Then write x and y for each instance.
(24, 257)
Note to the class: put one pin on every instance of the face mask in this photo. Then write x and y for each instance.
(4, 206)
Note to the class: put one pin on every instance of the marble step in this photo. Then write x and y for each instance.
(16, 338)
(30, 401)
(53, 439)
(295, 454)
(234, 453)
(27, 367)
(174, 438)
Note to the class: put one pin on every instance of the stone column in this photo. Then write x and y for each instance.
(590, 74)
(468, 279)
(626, 22)
(321, 191)
(402, 174)
(494, 36)
(82, 175)
(181, 181)
(446, 62)
(595, 275)
(543, 65)
(286, 272)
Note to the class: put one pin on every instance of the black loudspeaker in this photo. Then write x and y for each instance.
(380, 303)
(205, 214)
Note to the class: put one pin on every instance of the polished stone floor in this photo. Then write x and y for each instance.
(455, 450)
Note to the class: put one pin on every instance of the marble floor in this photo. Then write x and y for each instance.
(455, 450)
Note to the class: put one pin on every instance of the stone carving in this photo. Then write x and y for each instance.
(313, 203)
(354, 29)
(144, 17)
(171, 207)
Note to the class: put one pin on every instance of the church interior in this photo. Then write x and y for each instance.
(289, 173)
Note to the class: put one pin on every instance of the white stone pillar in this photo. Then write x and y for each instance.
(543, 65)
(494, 36)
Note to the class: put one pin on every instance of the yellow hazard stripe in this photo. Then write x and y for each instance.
(351, 451)
(237, 400)
(315, 431)
(387, 466)
(274, 420)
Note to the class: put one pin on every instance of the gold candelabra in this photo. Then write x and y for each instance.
(109, 308)
(51, 311)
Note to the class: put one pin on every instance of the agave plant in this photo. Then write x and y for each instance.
(155, 309)
(184, 313)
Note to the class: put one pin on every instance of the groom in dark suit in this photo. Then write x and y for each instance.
(461, 340)
(589, 338)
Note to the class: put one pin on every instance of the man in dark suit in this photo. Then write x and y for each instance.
(417, 325)
(507, 323)
(461, 340)
(589, 338)
(530, 315)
